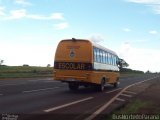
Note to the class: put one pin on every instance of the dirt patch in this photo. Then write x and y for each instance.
(152, 96)
(147, 100)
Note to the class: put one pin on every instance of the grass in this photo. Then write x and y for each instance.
(16, 69)
(25, 71)
(134, 107)
(129, 74)
(34, 71)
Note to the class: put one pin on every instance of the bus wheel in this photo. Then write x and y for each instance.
(73, 86)
(101, 86)
(115, 84)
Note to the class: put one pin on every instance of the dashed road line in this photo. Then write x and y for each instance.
(12, 84)
(126, 95)
(40, 80)
(33, 80)
(97, 112)
(119, 99)
(68, 104)
(50, 81)
(130, 92)
(113, 90)
(29, 91)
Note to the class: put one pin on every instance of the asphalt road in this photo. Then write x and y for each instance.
(47, 99)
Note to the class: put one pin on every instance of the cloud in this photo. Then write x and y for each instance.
(2, 13)
(140, 58)
(61, 26)
(154, 4)
(57, 16)
(37, 17)
(156, 8)
(23, 2)
(53, 16)
(17, 14)
(22, 13)
(126, 29)
(154, 32)
(145, 1)
(97, 38)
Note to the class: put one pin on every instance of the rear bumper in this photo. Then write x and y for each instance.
(71, 76)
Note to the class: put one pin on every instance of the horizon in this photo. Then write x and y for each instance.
(50, 66)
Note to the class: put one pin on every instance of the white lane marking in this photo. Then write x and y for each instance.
(50, 81)
(46, 81)
(130, 92)
(126, 95)
(119, 99)
(93, 115)
(68, 104)
(40, 79)
(1, 94)
(13, 84)
(33, 80)
(29, 91)
(113, 90)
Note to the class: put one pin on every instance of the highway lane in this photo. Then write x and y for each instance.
(45, 96)
(9, 87)
(19, 86)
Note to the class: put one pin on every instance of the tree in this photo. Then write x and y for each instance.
(148, 72)
(25, 65)
(122, 63)
(48, 65)
(1, 62)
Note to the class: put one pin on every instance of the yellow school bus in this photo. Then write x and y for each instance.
(82, 62)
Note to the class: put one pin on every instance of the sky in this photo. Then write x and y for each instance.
(31, 29)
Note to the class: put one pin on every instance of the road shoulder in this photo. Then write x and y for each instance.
(144, 102)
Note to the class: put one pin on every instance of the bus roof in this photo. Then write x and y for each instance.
(93, 44)
(103, 48)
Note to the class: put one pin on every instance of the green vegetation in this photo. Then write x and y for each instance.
(134, 107)
(124, 72)
(129, 72)
(25, 71)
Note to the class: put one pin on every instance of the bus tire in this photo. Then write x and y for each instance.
(115, 85)
(73, 86)
(101, 86)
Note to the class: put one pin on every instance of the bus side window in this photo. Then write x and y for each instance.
(101, 57)
(107, 58)
(104, 57)
(95, 54)
(111, 60)
(115, 60)
(98, 55)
